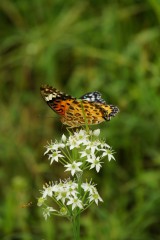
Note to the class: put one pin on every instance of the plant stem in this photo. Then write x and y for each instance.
(76, 227)
(76, 217)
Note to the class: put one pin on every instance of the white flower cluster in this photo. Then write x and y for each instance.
(80, 151)
(69, 196)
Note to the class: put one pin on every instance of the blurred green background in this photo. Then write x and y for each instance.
(81, 46)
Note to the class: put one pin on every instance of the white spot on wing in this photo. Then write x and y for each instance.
(50, 96)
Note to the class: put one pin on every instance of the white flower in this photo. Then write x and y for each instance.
(88, 187)
(95, 197)
(64, 138)
(72, 188)
(55, 187)
(93, 145)
(73, 167)
(75, 202)
(54, 156)
(86, 153)
(95, 162)
(71, 185)
(62, 195)
(60, 145)
(49, 147)
(104, 145)
(47, 192)
(73, 143)
(54, 146)
(73, 192)
(109, 153)
(47, 211)
(96, 132)
(48, 189)
(81, 136)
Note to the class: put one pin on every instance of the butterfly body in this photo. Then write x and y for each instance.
(90, 108)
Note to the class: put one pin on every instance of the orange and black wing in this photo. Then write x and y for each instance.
(81, 112)
(56, 100)
(109, 111)
(90, 108)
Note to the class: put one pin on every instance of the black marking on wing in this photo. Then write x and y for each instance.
(47, 90)
(54, 97)
(93, 97)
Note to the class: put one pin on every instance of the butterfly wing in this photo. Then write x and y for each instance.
(96, 97)
(109, 111)
(82, 112)
(90, 108)
(93, 97)
(56, 100)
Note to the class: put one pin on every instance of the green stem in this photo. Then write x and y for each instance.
(76, 227)
(76, 217)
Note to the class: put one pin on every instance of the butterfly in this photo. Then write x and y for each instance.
(88, 109)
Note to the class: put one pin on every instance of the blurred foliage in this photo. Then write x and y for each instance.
(81, 46)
